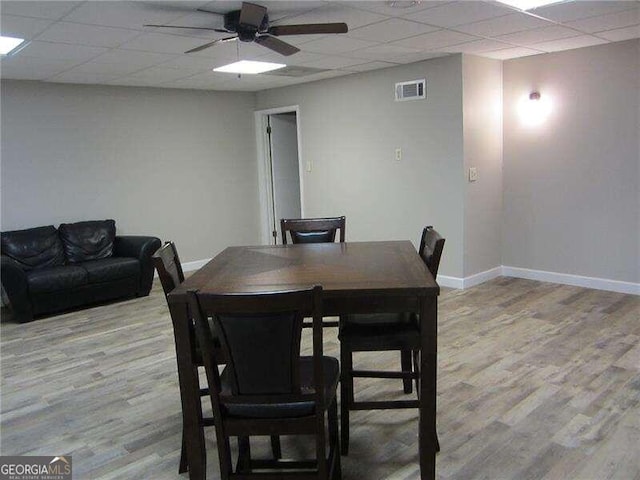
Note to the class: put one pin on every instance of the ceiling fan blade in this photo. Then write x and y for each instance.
(211, 44)
(309, 29)
(252, 14)
(277, 45)
(193, 28)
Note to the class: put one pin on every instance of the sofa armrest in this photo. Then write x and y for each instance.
(14, 282)
(142, 248)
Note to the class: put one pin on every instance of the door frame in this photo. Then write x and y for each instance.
(264, 168)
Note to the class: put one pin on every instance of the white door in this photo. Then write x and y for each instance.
(285, 172)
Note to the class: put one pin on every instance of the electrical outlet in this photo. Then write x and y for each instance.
(473, 174)
(398, 154)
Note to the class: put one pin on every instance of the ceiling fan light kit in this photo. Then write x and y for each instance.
(251, 24)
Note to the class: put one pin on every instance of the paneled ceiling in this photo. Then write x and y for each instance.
(104, 42)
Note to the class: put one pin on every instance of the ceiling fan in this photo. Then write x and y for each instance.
(251, 24)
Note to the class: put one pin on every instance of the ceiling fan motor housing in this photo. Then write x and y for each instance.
(246, 33)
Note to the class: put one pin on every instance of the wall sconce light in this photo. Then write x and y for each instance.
(534, 109)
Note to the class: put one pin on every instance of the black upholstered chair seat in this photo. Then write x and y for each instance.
(114, 268)
(287, 410)
(396, 336)
(54, 279)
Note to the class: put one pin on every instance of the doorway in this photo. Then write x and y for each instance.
(279, 170)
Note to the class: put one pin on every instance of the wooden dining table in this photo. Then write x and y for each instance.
(357, 277)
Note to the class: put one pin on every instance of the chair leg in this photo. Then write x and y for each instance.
(244, 455)
(334, 438)
(416, 369)
(346, 396)
(184, 465)
(275, 447)
(405, 362)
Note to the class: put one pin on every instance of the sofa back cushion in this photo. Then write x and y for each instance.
(33, 248)
(84, 241)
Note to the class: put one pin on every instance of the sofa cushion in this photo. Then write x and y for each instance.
(56, 278)
(33, 248)
(108, 269)
(88, 240)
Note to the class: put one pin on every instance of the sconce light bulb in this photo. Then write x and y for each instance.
(534, 96)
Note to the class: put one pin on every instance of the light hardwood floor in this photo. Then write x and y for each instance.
(536, 381)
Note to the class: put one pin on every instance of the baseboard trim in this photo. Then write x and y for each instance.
(574, 280)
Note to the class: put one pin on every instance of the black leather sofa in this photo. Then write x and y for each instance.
(46, 270)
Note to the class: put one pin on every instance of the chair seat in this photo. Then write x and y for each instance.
(287, 410)
(380, 332)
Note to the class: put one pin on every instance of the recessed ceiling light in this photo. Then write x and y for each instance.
(529, 4)
(7, 44)
(249, 67)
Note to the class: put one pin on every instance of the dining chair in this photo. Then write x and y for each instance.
(266, 387)
(169, 268)
(384, 332)
(312, 230)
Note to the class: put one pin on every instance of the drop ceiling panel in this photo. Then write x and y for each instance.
(336, 44)
(511, 23)
(53, 10)
(576, 10)
(515, 52)
(91, 35)
(123, 14)
(22, 27)
(569, 43)
(130, 57)
(612, 21)
(621, 34)
(459, 13)
(32, 68)
(163, 43)
(537, 35)
(478, 46)
(61, 51)
(435, 40)
(390, 30)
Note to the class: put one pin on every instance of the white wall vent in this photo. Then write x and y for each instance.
(413, 90)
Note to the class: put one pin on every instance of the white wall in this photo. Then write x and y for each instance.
(350, 128)
(571, 186)
(176, 164)
(482, 100)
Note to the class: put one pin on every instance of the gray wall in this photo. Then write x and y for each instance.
(571, 186)
(350, 127)
(482, 99)
(176, 164)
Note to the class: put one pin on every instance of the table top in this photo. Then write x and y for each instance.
(343, 269)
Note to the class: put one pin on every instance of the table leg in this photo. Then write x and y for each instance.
(428, 365)
(189, 391)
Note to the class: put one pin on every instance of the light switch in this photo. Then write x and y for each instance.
(473, 174)
(309, 166)
(398, 154)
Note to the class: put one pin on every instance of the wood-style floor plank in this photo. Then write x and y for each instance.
(536, 381)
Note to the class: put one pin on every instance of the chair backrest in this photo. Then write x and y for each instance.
(168, 265)
(431, 245)
(312, 230)
(260, 336)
